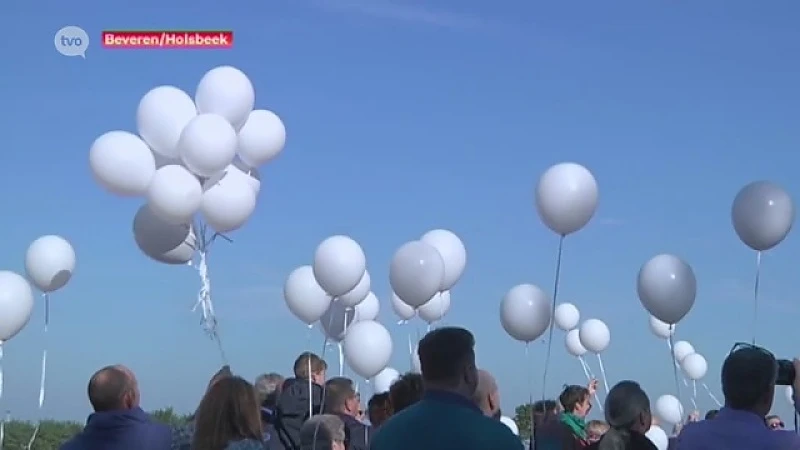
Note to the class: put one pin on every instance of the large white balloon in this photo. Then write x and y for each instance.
(162, 115)
(162, 241)
(509, 422)
(658, 437)
(304, 297)
(669, 409)
(358, 293)
(383, 381)
(49, 263)
(207, 144)
(336, 320)
(525, 312)
(436, 308)
(339, 264)
(566, 197)
(368, 308)
(16, 304)
(251, 175)
(694, 366)
(667, 288)
(453, 254)
(261, 138)
(567, 316)
(367, 348)
(122, 163)
(661, 329)
(681, 350)
(174, 194)
(227, 204)
(762, 215)
(226, 91)
(594, 335)
(416, 272)
(403, 310)
(573, 343)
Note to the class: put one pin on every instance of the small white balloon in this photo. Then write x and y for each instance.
(573, 343)
(669, 409)
(509, 422)
(436, 308)
(49, 263)
(226, 91)
(681, 350)
(16, 304)
(358, 293)
(162, 241)
(304, 297)
(661, 329)
(251, 175)
(595, 335)
(336, 320)
(122, 163)
(207, 145)
(453, 253)
(401, 308)
(162, 115)
(567, 316)
(262, 138)
(228, 204)
(694, 365)
(339, 264)
(566, 197)
(368, 308)
(658, 437)
(383, 381)
(367, 348)
(174, 194)
(525, 312)
(416, 272)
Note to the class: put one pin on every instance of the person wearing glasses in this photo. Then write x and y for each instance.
(749, 374)
(775, 423)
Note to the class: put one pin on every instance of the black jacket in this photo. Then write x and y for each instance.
(292, 412)
(358, 434)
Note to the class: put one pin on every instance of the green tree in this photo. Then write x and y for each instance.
(523, 416)
(169, 417)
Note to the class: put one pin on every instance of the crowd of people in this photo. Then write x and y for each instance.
(451, 404)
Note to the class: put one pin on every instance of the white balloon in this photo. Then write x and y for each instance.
(453, 254)
(16, 304)
(339, 264)
(573, 343)
(207, 144)
(667, 287)
(162, 241)
(669, 409)
(367, 348)
(358, 293)
(416, 272)
(509, 422)
(681, 350)
(228, 204)
(368, 308)
(162, 161)
(304, 297)
(525, 312)
(336, 320)
(122, 163)
(383, 381)
(694, 365)
(567, 316)
(226, 91)
(661, 329)
(658, 437)
(566, 197)
(436, 308)
(261, 138)
(251, 175)
(49, 263)
(162, 115)
(789, 393)
(594, 335)
(403, 310)
(174, 194)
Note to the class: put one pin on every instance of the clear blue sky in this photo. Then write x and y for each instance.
(402, 118)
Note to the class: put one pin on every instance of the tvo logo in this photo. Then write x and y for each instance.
(72, 41)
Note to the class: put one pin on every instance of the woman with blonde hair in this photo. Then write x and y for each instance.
(228, 418)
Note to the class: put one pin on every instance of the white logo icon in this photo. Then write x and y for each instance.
(72, 41)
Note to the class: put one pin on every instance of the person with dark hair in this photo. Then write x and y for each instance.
(627, 411)
(406, 391)
(293, 402)
(182, 435)
(774, 422)
(342, 400)
(228, 417)
(568, 430)
(711, 414)
(379, 409)
(118, 423)
(544, 412)
(447, 416)
(748, 384)
(487, 395)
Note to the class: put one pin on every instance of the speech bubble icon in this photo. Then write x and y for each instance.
(72, 41)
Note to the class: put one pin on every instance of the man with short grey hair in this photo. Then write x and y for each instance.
(323, 432)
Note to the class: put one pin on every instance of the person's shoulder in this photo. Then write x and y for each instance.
(73, 443)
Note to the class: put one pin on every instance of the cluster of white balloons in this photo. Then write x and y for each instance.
(190, 156)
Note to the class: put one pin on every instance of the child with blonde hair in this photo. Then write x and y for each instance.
(595, 429)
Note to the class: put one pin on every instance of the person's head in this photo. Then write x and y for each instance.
(748, 379)
(627, 408)
(406, 391)
(113, 388)
(543, 410)
(487, 395)
(711, 414)
(268, 387)
(595, 429)
(228, 412)
(223, 372)
(341, 397)
(310, 366)
(379, 409)
(775, 423)
(576, 400)
(447, 360)
(323, 432)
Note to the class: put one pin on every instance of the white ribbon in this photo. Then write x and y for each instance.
(43, 379)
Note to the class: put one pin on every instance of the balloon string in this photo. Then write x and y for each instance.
(529, 366)
(209, 318)
(6, 419)
(588, 372)
(552, 315)
(602, 372)
(341, 359)
(311, 390)
(711, 394)
(675, 361)
(43, 379)
(410, 354)
(756, 288)
(674, 364)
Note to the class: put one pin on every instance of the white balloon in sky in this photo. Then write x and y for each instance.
(368, 308)
(228, 204)
(122, 163)
(207, 144)
(162, 115)
(163, 241)
(49, 262)
(16, 304)
(226, 91)
(174, 194)
(261, 138)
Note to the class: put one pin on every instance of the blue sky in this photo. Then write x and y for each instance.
(402, 118)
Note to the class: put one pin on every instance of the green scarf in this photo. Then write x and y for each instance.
(576, 424)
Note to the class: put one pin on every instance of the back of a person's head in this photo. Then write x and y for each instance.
(379, 409)
(323, 432)
(543, 410)
(228, 412)
(627, 410)
(268, 387)
(572, 396)
(447, 359)
(485, 391)
(406, 391)
(338, 391)
(112, 388)
(711, 414)
(308, 364)
(748, 379)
